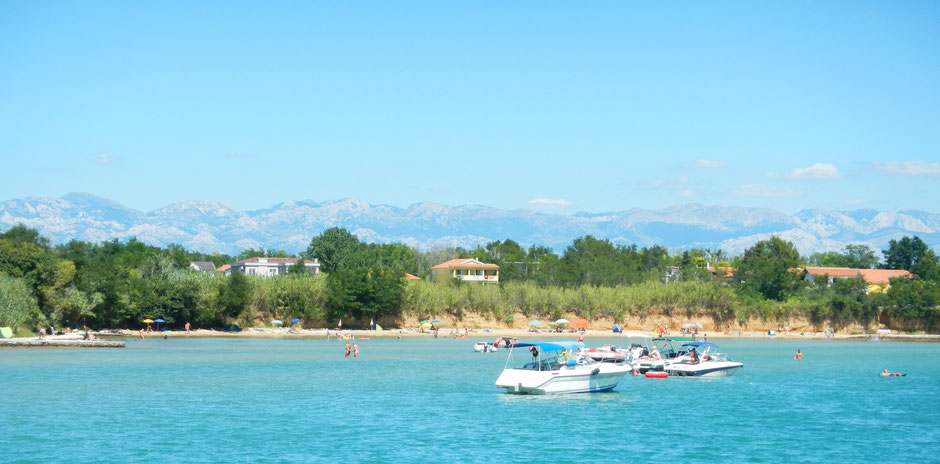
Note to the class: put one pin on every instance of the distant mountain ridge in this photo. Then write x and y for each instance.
(208, 226)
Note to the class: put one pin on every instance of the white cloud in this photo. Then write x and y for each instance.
(816, 171)
(548, 203)
(104, 158)
(687, 193)
(706, 164)
(764, 191)
(909, 168)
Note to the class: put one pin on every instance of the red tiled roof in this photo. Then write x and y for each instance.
(224, 268)
(727, 272)
(465, 263)
(845, 272)
(412, 277)
(882, 276)
(872, 276)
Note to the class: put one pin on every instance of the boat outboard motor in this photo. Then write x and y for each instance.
(595, 371)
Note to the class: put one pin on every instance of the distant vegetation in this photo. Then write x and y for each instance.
(117, 284)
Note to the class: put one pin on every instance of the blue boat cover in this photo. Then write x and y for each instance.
(551, 346)
(701, 345)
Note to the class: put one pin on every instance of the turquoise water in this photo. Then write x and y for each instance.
(419, 400)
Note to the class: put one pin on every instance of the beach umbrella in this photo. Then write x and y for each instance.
(579, 323)
(562, 321)
(158, 320)
(294, 320)
(535, 322)
(435, 320)
(147, 321)
(277, 322)
(423, 322)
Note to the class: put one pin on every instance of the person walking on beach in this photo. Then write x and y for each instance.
(355, 350)
(141, 333)
(348, 349)
(187, 328)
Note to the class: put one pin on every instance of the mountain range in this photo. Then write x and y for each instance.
(208, 226)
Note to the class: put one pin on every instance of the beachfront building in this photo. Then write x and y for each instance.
(878, 280)
(269, 267)
(467, 270)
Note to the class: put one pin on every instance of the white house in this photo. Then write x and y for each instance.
(202, 266)
(267, 267)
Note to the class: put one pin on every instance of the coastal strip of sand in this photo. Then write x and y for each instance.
(257, 332)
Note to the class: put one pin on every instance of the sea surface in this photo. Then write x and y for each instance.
(427, 400)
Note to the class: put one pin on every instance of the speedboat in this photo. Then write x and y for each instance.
(607, 353)
(556, 367)
(653, 353)
(710, 363)
(484, 347)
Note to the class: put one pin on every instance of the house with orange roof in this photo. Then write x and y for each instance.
(411, 276)
(878, 280)
(467, 270)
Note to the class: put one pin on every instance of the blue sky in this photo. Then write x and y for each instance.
(545, 105)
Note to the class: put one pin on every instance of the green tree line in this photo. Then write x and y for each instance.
(117, 284)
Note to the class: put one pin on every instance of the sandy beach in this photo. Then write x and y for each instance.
(486, 333)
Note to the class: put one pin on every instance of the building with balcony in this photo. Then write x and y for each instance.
(269, 267)
(467, 270)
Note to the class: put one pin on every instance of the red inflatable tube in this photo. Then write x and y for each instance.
(656, 374)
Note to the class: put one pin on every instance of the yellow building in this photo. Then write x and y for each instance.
(465, 269)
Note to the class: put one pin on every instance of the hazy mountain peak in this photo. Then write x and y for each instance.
(214, 226)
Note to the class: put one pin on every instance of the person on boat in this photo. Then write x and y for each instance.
(655, 354)
(535, 352)
(693, 356)
(798, 356)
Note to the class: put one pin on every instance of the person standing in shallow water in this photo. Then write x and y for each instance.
(798, 356)
(348, 349)
(355, 350)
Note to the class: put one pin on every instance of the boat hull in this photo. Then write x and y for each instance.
(712, 369)
(484, 348)
(579, 380)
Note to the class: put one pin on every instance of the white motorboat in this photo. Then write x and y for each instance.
(556, 367)
(708, 362)
(607, 353)
(484, 347)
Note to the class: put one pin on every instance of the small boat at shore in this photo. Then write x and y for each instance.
(484, 347)
(557, 367)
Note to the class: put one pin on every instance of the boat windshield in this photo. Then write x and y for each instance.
(543, 356)
(670, 347)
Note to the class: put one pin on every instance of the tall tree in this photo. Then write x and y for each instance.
(766, 267)
(334, 247)
(914, 255)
